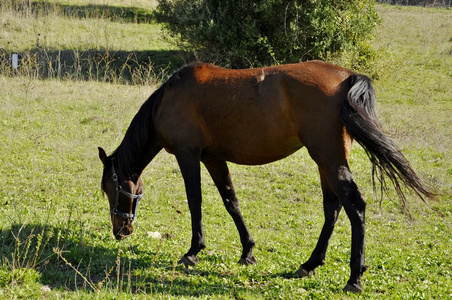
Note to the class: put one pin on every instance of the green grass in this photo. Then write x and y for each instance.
(54, 31)
(92, 41)
(54, 223)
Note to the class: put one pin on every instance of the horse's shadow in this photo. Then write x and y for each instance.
(66, 261)
(64, 257)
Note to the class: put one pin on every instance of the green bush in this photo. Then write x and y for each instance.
(243, 33)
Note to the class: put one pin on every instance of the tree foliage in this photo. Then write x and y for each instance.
(243, 33)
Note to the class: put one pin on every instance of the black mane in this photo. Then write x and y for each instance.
(138, 135)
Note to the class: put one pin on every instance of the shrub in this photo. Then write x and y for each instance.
(243, 33)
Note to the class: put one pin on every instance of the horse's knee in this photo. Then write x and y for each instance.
(232, 205)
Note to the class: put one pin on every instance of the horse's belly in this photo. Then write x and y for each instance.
(254, 152)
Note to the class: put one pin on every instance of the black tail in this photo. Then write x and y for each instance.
(361, 122)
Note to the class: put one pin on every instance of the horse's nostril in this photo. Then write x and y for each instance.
(127, 230)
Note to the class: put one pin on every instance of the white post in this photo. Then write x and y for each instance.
(15, 59)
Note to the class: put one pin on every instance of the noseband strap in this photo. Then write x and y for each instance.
(119, 189)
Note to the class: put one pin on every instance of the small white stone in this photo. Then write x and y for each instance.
(154, 235)
(45, 288)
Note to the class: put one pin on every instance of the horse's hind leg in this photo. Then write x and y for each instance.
(332, 208)
(344, 187)
(220, 174)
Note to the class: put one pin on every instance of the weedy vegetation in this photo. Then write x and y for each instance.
(55, 231)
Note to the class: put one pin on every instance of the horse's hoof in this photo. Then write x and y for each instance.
(355, 288)
(304, 273)
(189, 261)
(247, 261)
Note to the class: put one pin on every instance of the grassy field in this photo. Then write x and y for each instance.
(54, 223)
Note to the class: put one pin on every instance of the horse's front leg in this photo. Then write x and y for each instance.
(190, 168)
(219, 172)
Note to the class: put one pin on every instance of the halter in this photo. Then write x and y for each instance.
(136, 199)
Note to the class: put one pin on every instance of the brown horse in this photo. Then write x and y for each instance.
(212, 115)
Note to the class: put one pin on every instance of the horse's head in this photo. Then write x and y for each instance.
(123, 195)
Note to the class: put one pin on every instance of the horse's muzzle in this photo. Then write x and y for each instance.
(123, 232)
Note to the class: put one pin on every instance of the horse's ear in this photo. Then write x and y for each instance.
(102, 155)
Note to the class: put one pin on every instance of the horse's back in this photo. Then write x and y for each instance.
(250, 116)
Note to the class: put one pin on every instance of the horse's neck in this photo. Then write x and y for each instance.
(132, 163)
(140, 144)
(148, 154)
